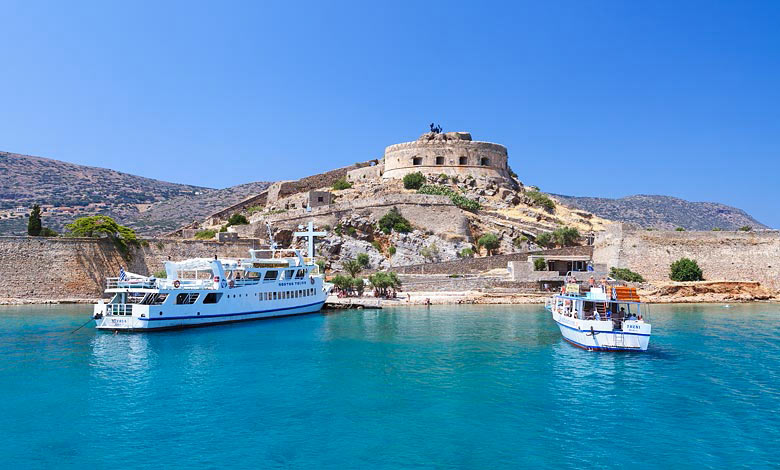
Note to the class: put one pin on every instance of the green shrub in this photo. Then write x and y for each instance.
(393, 220)
(545, 240)
(625, 274)
(321, 263)
(352, 267)
(145, 243)
(344, 283)
(251, 210)
(237, 219)
(161, 274)
(98, 226)
(414, 180)
(392, 250)
(457, 199)
(541, 200)
(566, 236)
(358, 285)
(223, 229)
(489, 242)
(466, 253)
(685, 269)
(716, 229)
(443, 178)
(341, 184)
(679, 229)
(376, 246)
(363, 260)
(540, 264)
(519, 241)
(454, 276)
(430, 252)
(48, 232)
(205, 234)
(339, 229)
(352, 231)
(384, 281)
(745, 228)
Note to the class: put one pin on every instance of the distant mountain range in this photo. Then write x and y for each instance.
(664, 212)
(153, 207)
(67, 191)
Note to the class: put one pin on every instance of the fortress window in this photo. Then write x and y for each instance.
(463, 160)
(440, 160)
(320, 198)
(485, 161)
(417, 161)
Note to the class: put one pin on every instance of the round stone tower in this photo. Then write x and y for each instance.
(452, 153)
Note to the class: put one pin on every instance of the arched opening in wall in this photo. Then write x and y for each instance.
(416, 161)
(440, 160)
(484, 161)
(463, 161)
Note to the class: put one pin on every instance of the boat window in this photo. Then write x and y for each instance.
(300, 274)
(187, 299)
(155, 299)
(290, 273)
(212, 298)
(270, 275)
(274, 295)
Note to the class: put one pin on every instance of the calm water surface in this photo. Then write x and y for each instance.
(445, 387)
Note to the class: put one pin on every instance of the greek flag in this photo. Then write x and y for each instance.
(122, 275)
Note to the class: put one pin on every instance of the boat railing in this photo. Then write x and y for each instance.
(136, 283)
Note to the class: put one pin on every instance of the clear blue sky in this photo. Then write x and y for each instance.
(678, 98)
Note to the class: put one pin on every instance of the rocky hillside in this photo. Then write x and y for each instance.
(664, 212)
(67, 191)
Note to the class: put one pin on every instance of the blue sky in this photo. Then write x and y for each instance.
(592, 98)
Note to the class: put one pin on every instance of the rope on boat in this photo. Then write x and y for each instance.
(82, 326)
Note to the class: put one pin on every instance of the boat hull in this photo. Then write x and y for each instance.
(600, 336)
(136, 324)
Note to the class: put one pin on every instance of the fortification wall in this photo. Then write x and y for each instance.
(734, 256)
(452, 157)
(464, 266)
(34, 268)
(282, 189)
(435, 213)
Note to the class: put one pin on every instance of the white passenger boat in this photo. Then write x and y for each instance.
(606, 318)
(203, 291)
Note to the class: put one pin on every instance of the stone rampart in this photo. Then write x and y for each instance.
(734, 256)
(36, 268)
(282, 189)
(430, 212)
(464, 266)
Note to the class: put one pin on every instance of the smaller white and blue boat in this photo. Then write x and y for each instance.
(604, 318)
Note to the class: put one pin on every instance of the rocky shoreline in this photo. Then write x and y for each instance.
(676, 292)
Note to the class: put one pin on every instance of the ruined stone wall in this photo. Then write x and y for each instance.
(429, 212)
(734, 256)
(76, 268)
(464, 266)
(452, 157)
(282, 189)
(367, 173)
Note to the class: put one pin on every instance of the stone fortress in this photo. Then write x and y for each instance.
(451, 154)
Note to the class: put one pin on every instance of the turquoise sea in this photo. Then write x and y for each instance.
(441, 387)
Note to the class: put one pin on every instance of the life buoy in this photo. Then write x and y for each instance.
(231, 283)
(216, 278)
(176, 283)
